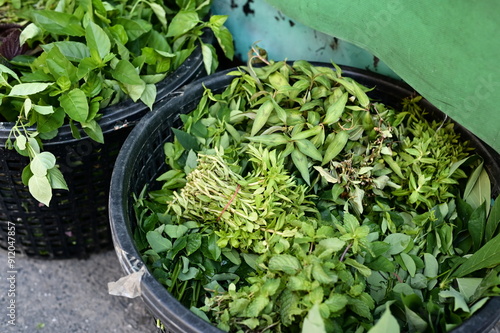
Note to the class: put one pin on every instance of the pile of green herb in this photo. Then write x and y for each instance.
(81, 56)
(293, 203)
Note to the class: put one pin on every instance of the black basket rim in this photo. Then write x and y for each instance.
(159, 301)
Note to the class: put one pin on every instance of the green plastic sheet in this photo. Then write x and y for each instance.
(447, 50)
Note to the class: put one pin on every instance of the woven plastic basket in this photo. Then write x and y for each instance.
(76, 223)
(141, 161)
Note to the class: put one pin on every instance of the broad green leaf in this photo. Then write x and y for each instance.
(307, 148)
(409, 263)
(58, 22)
(5, 69)
(398, 242)
(41, 163)
(97, 41)
(182, 22)
(285, 263)
(335, 110)
(386, 324)
(431, 269)
(50, 122)
(468, 286)
(313, 323)
(59, 66)
(476, 226)
(256, 306)
(208, 57)
(459, 299)
(26, 89)
(159, 12)
(175, 231)
(270, 140)
(478, 189)
(415, 322)
(148, 97)
(187, 141)
(40, 189)
(125, 72)
(381, 263)
(31, 31)
(336, 146)
(134, 28)
(225, 40)
(365, 271)
(56, 179)
(75, 105)
(193, 243)
(363, 99)
(73, 51)
(301, 163)
(157, 242)
(261, 116)
(487, 256)
(134, 91)
(493, 221)
(393, 165)
(93, 130)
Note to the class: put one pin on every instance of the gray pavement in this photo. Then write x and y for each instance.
(63, 296)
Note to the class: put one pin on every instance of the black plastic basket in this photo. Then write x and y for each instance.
(76, 223)
(141, 161)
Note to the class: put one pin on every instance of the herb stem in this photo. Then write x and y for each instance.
(345, 252)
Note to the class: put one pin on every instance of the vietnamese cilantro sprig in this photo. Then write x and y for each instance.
(83, 56)
(294, 202)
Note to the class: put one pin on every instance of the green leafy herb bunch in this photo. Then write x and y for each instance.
(84, 55)
(294, 202)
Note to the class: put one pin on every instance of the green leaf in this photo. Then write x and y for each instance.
(364, 270)
(306, 147)
(50, 122)
(56, 179)
(431, 269)
(335, 110)
(157, 242)
(468, 286)
(493, 221)
(208, 57)
(58, 22)
(225, 40)
(409, 263)
(93, 130)
(313, 323)
(476, 226)
(29, 32)
(261, 116)
(478, 189)
(41, 163)
(148, 97)
(187, 141)
(26, 89)
(301, 163)
(182, 22)
(175, 231)
(386, 324)
(40, 189)
(134, 28)
(159, 12)
(363, 99)
(125, 72)
(459, 299)
(97, 41)
(43, 109)
(73, 51)
(381, 263)
(336, 146)
(285, 263)
(75, 105)
(398, 242)
(59, 66)
(487, 256)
